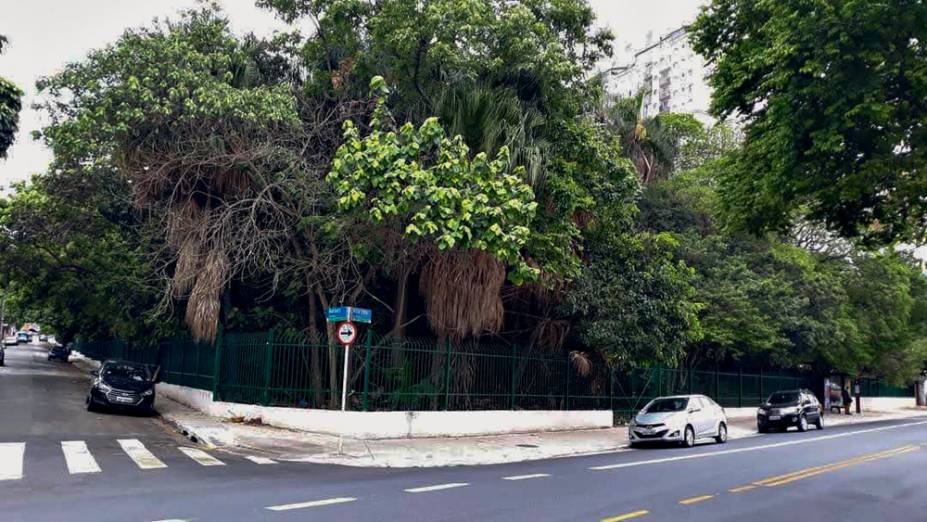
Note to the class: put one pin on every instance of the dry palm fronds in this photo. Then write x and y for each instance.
(462, 293)
(581, 362)
(203, 308)
(188, 267)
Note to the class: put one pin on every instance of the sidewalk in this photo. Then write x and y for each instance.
(251, 439)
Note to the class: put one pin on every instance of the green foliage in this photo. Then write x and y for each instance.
(832, 93)
(428, 183)
(158, 88)
(633, 301)
(69, 260)
(10, 105)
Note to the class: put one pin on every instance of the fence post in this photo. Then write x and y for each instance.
(717, 383)
(761, 384)
(611, 389)
(566, 390)
(217, 365)
(740, 387)
(366, 369)
(183, 364)
(268, 364)
(447, 374)
(659, 381)
(514, 372)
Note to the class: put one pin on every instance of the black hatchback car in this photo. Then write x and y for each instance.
(787, 408)
(57, 351)
(123, 385)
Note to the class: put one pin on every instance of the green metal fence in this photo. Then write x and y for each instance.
(389, 375)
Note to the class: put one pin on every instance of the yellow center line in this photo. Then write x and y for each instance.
(626, 516)
(694, 500)
(748, 487)
(824, 467)
(839, 466)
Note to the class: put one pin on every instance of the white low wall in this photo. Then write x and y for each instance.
(392, 425)
(887, 403)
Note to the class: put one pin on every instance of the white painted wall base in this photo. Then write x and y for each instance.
(392, 425)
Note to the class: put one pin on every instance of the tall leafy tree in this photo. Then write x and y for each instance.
(833, 94)
(10, 105)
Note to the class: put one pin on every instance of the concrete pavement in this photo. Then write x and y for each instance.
(850, 472)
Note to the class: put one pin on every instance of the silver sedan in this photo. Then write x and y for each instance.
(681, 418)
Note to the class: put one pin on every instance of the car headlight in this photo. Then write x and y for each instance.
(761, 412)
(147, 392)
(103, 387)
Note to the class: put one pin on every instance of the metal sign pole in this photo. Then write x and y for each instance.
(344, 394)
(344, 378)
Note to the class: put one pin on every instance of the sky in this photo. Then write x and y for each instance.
(47, 34)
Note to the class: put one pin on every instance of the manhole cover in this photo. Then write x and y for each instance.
(527, 445)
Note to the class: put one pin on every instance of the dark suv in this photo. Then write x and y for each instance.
(790, 408)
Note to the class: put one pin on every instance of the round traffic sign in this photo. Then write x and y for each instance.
(346, 332)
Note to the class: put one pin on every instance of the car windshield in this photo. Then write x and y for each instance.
(667, 405)
(783, 398)
(126, 371)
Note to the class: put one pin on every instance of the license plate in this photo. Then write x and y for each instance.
(124, 399)
(774, 417)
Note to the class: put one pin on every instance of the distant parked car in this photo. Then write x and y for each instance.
(682, 418)
(124, 385)
(23, 337)
(56, 351)
(43, 338)
(10, 340)
(787, 408)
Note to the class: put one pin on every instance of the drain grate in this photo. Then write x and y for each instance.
(527, 445)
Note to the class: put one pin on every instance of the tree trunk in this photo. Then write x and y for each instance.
(315, 369)
(437, 370)
(399, 318)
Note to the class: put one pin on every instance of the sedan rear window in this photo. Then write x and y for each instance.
(783, 398)
(667, 405)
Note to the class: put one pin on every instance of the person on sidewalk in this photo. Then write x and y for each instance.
(846, 399)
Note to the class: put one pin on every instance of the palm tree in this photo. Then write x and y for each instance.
(651, 143)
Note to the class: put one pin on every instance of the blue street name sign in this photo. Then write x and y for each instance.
(348, 313)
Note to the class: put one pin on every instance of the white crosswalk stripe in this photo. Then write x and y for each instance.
(201, 457)
(78, 457)
(11, 460)
(143, 458)
(260, 460)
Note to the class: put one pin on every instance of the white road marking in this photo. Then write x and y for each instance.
(752, 448)
(138, 453)
(173, 520)
(313, 503)
(78, 457)
(526, 477)
(11, 460)
(260, 460)
(437, 487)
(201, 457)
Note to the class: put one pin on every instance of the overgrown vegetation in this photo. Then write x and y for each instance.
(453, 165)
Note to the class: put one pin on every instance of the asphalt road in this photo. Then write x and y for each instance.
(868, 472)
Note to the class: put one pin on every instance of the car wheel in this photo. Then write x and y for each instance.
(91, 406)
(802, 423)
(820, 422)
(689, 437)
(722, 434)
